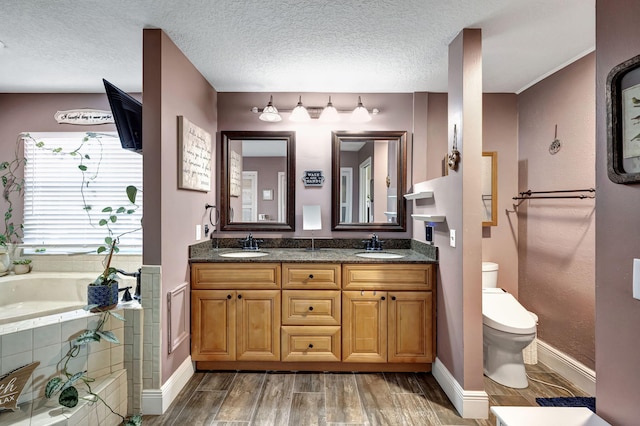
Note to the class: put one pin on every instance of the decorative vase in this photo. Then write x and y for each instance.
(5, 262)
(21, 268)
(105, 296)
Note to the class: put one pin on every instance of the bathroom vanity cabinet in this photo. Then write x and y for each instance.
(313, 316)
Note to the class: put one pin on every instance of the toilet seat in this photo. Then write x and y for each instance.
(501, 311)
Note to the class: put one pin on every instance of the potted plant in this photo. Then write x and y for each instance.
(21, 266)
(103, 292)
(12, 190)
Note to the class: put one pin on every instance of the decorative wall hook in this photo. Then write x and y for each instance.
(454, 157)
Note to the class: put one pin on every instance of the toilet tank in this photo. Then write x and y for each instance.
(489, 275)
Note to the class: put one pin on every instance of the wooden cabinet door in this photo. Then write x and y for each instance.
(213, 325)
(410, 336)
(258, 325)
(364, 326)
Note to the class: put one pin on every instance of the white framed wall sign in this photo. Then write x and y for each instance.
(194, 162)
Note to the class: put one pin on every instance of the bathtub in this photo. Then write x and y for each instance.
(43, 297)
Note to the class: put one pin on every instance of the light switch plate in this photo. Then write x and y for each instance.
(636, 279)
(198, 232)
(452, 237)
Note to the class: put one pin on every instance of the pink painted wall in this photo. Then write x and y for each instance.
(459, 304)
(617, 242)
(313, 141)
(172, 86)
(500, 134)
(557, 237)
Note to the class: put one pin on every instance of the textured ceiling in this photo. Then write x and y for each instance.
(289, 45)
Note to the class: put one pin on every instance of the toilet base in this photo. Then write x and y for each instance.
(511, 374)
(503, 361)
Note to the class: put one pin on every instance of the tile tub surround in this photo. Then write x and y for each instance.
(294, 250)
(111, 388)
(48, 341)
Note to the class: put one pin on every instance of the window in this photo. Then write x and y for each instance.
(54, 214)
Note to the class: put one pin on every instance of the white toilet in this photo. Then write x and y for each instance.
(507, 328)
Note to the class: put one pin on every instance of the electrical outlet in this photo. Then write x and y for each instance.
(636, 279)
(428, 234)
(452, 237)
(198, 232)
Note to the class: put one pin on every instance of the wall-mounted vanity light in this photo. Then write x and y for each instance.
(326, 114)
(269, 113)
(299, 113)
(360, 114)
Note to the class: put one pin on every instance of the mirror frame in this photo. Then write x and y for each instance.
(290, 223)
(494, 188)
(339, 136)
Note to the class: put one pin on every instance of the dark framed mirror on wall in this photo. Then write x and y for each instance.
(257, 187)
(368, 181)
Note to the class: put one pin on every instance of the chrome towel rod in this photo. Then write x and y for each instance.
(527, 195)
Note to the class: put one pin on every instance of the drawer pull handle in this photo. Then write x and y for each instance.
(311, 276)
(393, 298)
(383, 298)
(311, 308)
(228, 296)
(310, 345)
(239, 296)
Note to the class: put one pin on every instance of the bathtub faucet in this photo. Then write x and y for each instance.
(136, 274)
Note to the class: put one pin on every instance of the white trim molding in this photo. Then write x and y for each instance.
(569, 368)
(470, 404)
(156, 401)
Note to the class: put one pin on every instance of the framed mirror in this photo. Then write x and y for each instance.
(257, 190)
(489, 188)
(368, 181)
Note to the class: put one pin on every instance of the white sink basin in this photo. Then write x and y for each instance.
(244, 254)
(379, 255)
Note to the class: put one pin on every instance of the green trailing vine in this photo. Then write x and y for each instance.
(66, 384)
(12, 187)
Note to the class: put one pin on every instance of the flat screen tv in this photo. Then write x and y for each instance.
(127, 115)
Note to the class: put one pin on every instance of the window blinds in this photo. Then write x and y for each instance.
(54, 214)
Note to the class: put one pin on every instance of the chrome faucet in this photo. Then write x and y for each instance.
(373, 244)
(250, 243)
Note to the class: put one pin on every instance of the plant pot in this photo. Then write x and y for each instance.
(21, 268)
(105, 296)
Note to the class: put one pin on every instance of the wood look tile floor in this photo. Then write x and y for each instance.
(304, 399)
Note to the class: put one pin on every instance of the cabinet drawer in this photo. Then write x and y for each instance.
(300, 276)
(235, 276)
(310, 343)
(388, 276)
(311, 307)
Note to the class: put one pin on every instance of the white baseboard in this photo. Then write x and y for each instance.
(156, 401)
(470, 404)
(572, 370)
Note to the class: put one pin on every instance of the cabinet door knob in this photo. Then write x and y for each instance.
(239, 296)
(382, 298)
(393, 298)
(310, 345)
(228, 296)
(310, 276)
(311, 308)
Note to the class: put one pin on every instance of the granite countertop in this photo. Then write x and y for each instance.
(301, 255)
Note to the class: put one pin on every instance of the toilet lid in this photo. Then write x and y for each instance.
(501, 311)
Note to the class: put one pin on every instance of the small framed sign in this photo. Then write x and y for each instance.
(313, 178)
(267, 194)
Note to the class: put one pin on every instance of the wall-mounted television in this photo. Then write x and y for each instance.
(127, 115)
